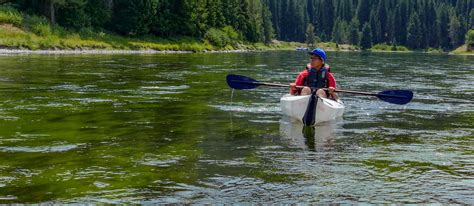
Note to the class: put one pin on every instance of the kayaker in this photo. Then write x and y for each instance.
(316, 75)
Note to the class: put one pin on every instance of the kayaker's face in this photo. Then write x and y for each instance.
(316, 61)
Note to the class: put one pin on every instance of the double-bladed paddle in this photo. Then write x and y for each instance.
(392, 96)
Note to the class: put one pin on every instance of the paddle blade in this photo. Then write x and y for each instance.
(396, 96)
(309, 117)
(241, 82)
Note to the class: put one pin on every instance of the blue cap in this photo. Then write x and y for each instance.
(319, 52)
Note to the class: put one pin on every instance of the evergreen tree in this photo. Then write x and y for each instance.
(243, 18)
(403, 22)
(421, 10)
(255, 29)
(430, 23)
(133, 17)
(398, 28)
(215, 17)
(198, 22)
(268, 32)
(301, 20)
(470, 37)
(442, 27)
(327, 19)
(455, 31)
(382, 18)
(363, 11)
(73, 14)
(317, 21)
(310, 37)
(99, 12)
(354, 32)
(390, 27)
(471, 19)
(275, 13)
(414, 33)
(164, 23)
(366, 40)
(285, 21)
(310, 7)
(338, 31)
(53, 4)
(375, 27)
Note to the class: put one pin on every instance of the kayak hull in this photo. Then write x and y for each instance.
(326, 109)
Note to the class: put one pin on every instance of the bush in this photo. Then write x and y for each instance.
(42, 29)
(386, 47)
(233, 35)
(87, 32)
(217, 37)
(470, 36)
(223, 37)
(38, 25)
(434, 50)
(10, 15)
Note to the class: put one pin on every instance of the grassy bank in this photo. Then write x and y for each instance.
(30, 32)
(463, 50)
(21, 31)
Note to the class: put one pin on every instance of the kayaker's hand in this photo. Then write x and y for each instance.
(293, 89)
(331, 90)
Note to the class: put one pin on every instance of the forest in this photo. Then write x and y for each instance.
(416, 24)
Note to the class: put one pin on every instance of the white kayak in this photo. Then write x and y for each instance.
(326, 109)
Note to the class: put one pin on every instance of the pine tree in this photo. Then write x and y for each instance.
(442, 27)
(200, 20)
(72, 14)
(354, 32)
(310, 37)
(390, 27)
(430, 23)
(53, 4)
(414, 33)
(471, 19)
(268, 32)
(421, 10)
(366, 40)
(363, 11)
(338, 31)
(99, 13)
(376, 28)
(134, 17)
(328, 18)
(215, 17)
(403, 22)
(382, 18)
(275, 13)
(255, 29)
(455, 31)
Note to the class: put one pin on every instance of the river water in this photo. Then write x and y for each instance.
(163, 128)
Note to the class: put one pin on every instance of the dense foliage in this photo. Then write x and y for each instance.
(416, 24)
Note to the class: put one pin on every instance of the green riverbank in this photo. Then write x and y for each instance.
(46, 39)
(23, 33)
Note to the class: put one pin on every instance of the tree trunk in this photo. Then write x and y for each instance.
(51, 12)
(109, 3)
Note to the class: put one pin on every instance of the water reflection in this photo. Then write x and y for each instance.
(317, 138)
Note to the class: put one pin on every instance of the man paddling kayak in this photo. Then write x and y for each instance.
(316, 75)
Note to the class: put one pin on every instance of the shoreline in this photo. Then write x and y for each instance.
(100, 51)
(6, 52)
